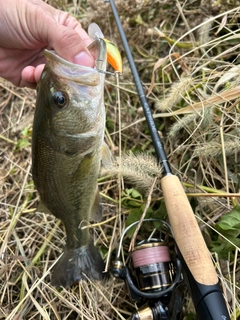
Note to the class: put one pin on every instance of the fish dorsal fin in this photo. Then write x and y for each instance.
(106, 156)
(96, 211)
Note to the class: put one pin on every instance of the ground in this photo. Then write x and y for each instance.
(187, 54)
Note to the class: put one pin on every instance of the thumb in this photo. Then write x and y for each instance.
(69, 45)
(66, 36)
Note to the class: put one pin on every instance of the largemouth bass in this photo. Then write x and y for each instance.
(67, 144)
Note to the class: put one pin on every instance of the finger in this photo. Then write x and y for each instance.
(71, 22)
(60, 31)
(68, 39)
(65, 19)
(31, 76)
(68, 44)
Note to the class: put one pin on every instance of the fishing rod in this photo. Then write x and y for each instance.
(198, 268)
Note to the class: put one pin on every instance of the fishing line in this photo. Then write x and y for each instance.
(120, 181)
(115, 60)
(153, 266)
(159, 149)
(153, 253)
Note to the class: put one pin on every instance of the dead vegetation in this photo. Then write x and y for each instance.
(187, 54)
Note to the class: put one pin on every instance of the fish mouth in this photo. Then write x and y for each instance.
(77, 73)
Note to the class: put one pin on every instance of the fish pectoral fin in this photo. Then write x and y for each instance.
(96, 211)
(42, 208)
(106, 156)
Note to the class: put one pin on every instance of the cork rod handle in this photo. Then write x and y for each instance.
(187, 233)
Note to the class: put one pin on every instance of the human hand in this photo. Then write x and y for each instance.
(27, 28)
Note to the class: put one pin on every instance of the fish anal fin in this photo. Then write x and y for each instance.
(41, 207)
(106, 156)
(96, 211)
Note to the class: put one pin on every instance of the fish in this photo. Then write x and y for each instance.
(68, 150)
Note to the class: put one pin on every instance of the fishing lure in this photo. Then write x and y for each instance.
(113, 55)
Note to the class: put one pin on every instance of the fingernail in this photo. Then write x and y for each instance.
(84, 59)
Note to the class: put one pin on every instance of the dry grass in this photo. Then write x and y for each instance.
(194, 50)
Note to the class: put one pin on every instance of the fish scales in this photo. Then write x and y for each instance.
(67, 143)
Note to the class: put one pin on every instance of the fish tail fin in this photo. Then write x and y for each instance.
(78, 264)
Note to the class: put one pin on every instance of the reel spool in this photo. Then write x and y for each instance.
(151, 273)
(153, 267)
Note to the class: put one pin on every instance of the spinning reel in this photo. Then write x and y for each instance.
(151, 274)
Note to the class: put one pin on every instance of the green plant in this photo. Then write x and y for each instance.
(228, 233)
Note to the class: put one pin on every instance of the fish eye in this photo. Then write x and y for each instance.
(59, 99)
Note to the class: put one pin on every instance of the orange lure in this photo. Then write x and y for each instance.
(113, 56)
